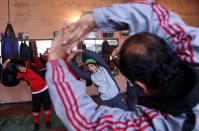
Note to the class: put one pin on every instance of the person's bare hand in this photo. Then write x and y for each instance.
(5, 63)
(46, 52)
(116, 51)
(78, 51)
(8, 60)
(72, 54)
(79, 30)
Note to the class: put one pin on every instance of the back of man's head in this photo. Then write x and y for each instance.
(147, 58)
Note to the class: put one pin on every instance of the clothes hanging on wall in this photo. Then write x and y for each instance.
(34, 48)
(26, 52)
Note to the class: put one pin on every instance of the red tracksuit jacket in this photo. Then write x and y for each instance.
(33, 77)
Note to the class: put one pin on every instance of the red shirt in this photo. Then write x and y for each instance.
(45, 57)
(38, 64)
(34, 80)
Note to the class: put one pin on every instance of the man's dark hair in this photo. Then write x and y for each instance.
(148, 58)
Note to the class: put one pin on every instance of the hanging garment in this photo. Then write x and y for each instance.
(24, 55)
(26, 52)
(31, 52)
(34, 48)
(105, 51)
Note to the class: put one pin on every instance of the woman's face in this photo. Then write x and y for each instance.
(22, 69)
(92, 68)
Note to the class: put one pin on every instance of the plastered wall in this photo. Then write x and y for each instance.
(40, 18)
(188, 10)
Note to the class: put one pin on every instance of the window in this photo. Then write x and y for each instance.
(96, 45)
(93, 34)
(42, 45)
(124, 34)
(104, 48)
(107, 34)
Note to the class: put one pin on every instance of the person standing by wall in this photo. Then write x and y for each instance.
(35, 79)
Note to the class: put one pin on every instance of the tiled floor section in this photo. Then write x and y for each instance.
(56, 129)
(18, 117)
(25, 123)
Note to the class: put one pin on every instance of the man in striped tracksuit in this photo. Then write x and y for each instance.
(171, 86)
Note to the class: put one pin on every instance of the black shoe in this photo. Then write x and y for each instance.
(36, 127)
(48, 125)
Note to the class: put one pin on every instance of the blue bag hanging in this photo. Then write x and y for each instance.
(9, 44)
(9, 49)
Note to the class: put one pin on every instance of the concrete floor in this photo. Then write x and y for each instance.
(18, 117)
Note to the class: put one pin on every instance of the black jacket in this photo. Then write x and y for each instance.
(181, 95)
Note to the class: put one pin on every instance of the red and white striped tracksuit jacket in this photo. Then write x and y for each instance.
(147, 16)
(79, 112)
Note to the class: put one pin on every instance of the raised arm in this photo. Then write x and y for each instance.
(82, 74)
(96, 57)
(75, 69)
(142, 16)
(76, 109)
(72, 105)
(114, 56)
(79, 112)
(146, 16)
